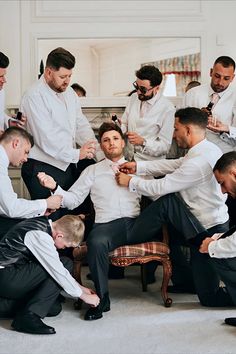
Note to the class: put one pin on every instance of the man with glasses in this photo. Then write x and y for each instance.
(148, 120)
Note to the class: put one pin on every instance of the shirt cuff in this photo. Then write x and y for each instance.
(132, 187)
(212, 249)
(140, 167)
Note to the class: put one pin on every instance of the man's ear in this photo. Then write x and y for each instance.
(211, 70)
(232, 172)
(188, 129)
(15, 143)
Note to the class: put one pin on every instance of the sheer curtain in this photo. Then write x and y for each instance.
(186, 68)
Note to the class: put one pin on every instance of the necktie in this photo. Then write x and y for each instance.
(215, 98)
(115, 167)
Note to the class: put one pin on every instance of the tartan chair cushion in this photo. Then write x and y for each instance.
(140, 249)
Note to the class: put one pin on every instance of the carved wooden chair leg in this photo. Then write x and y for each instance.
(167, 271)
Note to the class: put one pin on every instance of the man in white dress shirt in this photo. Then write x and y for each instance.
(189, 187)
(15, 144)
(220, 95)
(115, 209)
(55, 120)
(148, 120)
(32, 275)
(223, 250)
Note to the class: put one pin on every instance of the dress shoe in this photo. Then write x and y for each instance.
(231, 321)
(29, 322)
(94, 313)
(180, 289)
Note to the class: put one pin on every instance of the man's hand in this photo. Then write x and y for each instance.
(217, 126)
(128, 167)
(46, 180)
(135, 139)
(205, 243)
(88, 150)
(122, 179)
(53, 202)
(89, 297)
(17, 123)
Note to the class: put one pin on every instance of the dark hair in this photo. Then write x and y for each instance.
(4, 61)
(151, 73)
(108, 126)
(192, 84)
(77, 87)
(13, 132)
(192, 115)
(225, 62)
(225, 162)
(60, 57)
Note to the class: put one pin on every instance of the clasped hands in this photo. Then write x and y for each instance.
(88, 150)
(134, 138)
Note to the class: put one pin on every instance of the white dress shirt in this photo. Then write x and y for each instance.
(223, 248)
(110, 200)
(10, 205)
(156, 126)
(192, 177)
(43, 248)
(56, 124)
(224, 111)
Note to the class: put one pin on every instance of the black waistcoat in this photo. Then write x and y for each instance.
(12, 247)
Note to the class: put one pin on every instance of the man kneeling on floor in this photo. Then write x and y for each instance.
(221, 249)
(32, 275)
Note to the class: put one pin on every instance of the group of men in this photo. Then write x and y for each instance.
(60, 173)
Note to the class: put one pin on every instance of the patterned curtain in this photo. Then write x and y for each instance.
(186, 68)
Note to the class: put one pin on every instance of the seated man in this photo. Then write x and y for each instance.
(188, 197)
(223, 250)
(115, 209)
(32, 274)
(15, 144)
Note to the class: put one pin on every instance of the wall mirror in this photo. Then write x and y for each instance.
(106, 67)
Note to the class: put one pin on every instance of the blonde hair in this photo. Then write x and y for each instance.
(72, 227)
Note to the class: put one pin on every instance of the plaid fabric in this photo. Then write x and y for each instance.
(141, 249)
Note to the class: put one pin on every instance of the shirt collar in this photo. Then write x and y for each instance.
(119, 162)
(196, 147)
(5, 158)
(154, 99)
(211, 91)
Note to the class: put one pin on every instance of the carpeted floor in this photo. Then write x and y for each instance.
(137, 323)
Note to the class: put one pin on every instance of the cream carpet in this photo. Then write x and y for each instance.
(137, 323)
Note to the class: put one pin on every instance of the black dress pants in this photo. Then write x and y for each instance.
(28, 287)
(172, 210)
(103, 238)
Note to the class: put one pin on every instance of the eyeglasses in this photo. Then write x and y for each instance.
(142, 89)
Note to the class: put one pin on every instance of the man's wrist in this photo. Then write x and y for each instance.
(54, 189)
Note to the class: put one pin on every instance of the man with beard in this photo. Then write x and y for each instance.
(148, 120)
(222, 250)
(219, 99)
(57, 124)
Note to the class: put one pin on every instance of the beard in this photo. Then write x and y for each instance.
(142, 97)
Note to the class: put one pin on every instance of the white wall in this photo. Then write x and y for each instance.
(24, 22)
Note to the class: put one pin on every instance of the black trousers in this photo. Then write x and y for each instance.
(103, 238)
(172, 210)
(65, 179)
(28, 287)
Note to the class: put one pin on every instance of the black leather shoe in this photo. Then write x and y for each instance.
(29, 322)
(94, 313)
(180, 289)
(231, 321)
